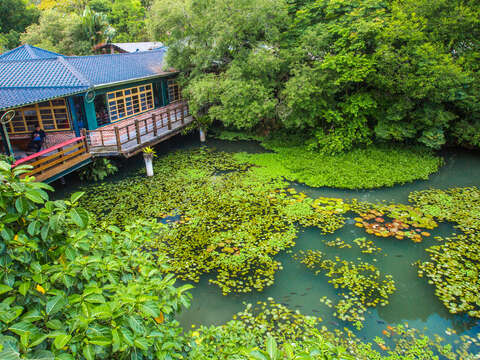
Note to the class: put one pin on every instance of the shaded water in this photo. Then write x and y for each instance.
(414, 301)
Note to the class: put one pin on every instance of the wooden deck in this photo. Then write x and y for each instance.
(57, 161)
(124, 138)
(128, 138)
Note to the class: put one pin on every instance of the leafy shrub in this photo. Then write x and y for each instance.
(69, 291)
(99, 169)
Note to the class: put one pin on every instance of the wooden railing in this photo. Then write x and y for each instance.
(56, 159)
(139, 130)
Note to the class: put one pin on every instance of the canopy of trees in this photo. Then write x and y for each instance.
(75, 26)
(345, 72)
(16, 16)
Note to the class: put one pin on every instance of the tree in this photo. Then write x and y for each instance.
(342, 73)
(16, 16)
(58, 32)
(95, 27)
(128, 18)
(227, 49)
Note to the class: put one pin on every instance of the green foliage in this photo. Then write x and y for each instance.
(454, 266)
(360, 168)
(98, 170)
(128, 19)
(69, 291)
(344, 73)
(95, 27)
(364, 285)
(58, 32)
(230, 58)
(149, 151)
(17, 15)
(224, 220)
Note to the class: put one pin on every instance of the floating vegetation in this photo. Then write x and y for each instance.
(250, 329)
(365, 286)
(458, 205)
(454, 266)
(361, 168)
(394, 220)
(277, 320)
(366, 246)
(222, 220)
(338, 243)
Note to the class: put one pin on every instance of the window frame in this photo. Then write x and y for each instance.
(38, 108)
(173, 88)
(123, 99)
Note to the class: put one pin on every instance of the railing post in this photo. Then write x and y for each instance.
(101, 136)
(60, 151)
(84, 134)
(137, 130)
(182, 118)
(154, 119)
(169, 120)
(117, 137)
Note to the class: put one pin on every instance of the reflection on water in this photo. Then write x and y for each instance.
(413, 302)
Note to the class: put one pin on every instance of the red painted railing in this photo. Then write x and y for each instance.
(47, 151)
(56, 159)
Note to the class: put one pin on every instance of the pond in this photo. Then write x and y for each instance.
(414, 301)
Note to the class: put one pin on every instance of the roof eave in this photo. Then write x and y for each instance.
(45, 99)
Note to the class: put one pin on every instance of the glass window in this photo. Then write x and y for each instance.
(174, 93)
(50, 115)
(130, 101)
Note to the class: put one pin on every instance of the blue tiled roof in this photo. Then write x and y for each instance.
(14, 97)
(26, 81)
(106, 69)
(26, 52)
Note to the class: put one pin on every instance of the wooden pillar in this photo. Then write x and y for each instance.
(182, 117)
(169, 120)
(137, 130)
(84, 134)
(117, 136)
(154, 119)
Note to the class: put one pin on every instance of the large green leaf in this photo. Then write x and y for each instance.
(89, 352)
(79, 217)
(4, 288)
(55, 305)
(61, 340)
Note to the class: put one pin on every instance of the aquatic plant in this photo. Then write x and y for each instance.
(454, 266)
(457, 205)
(223, 220)
(98, 170)
(396, 220)
(271, 326)
(364, 284)
(361, 168)
(366, 246)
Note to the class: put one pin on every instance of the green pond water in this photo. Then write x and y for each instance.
(414, 301)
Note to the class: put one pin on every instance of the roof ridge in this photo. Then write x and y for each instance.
(30, 52)
(74, 71)
(163, 48)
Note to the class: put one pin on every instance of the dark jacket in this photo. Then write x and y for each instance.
(38, 136)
